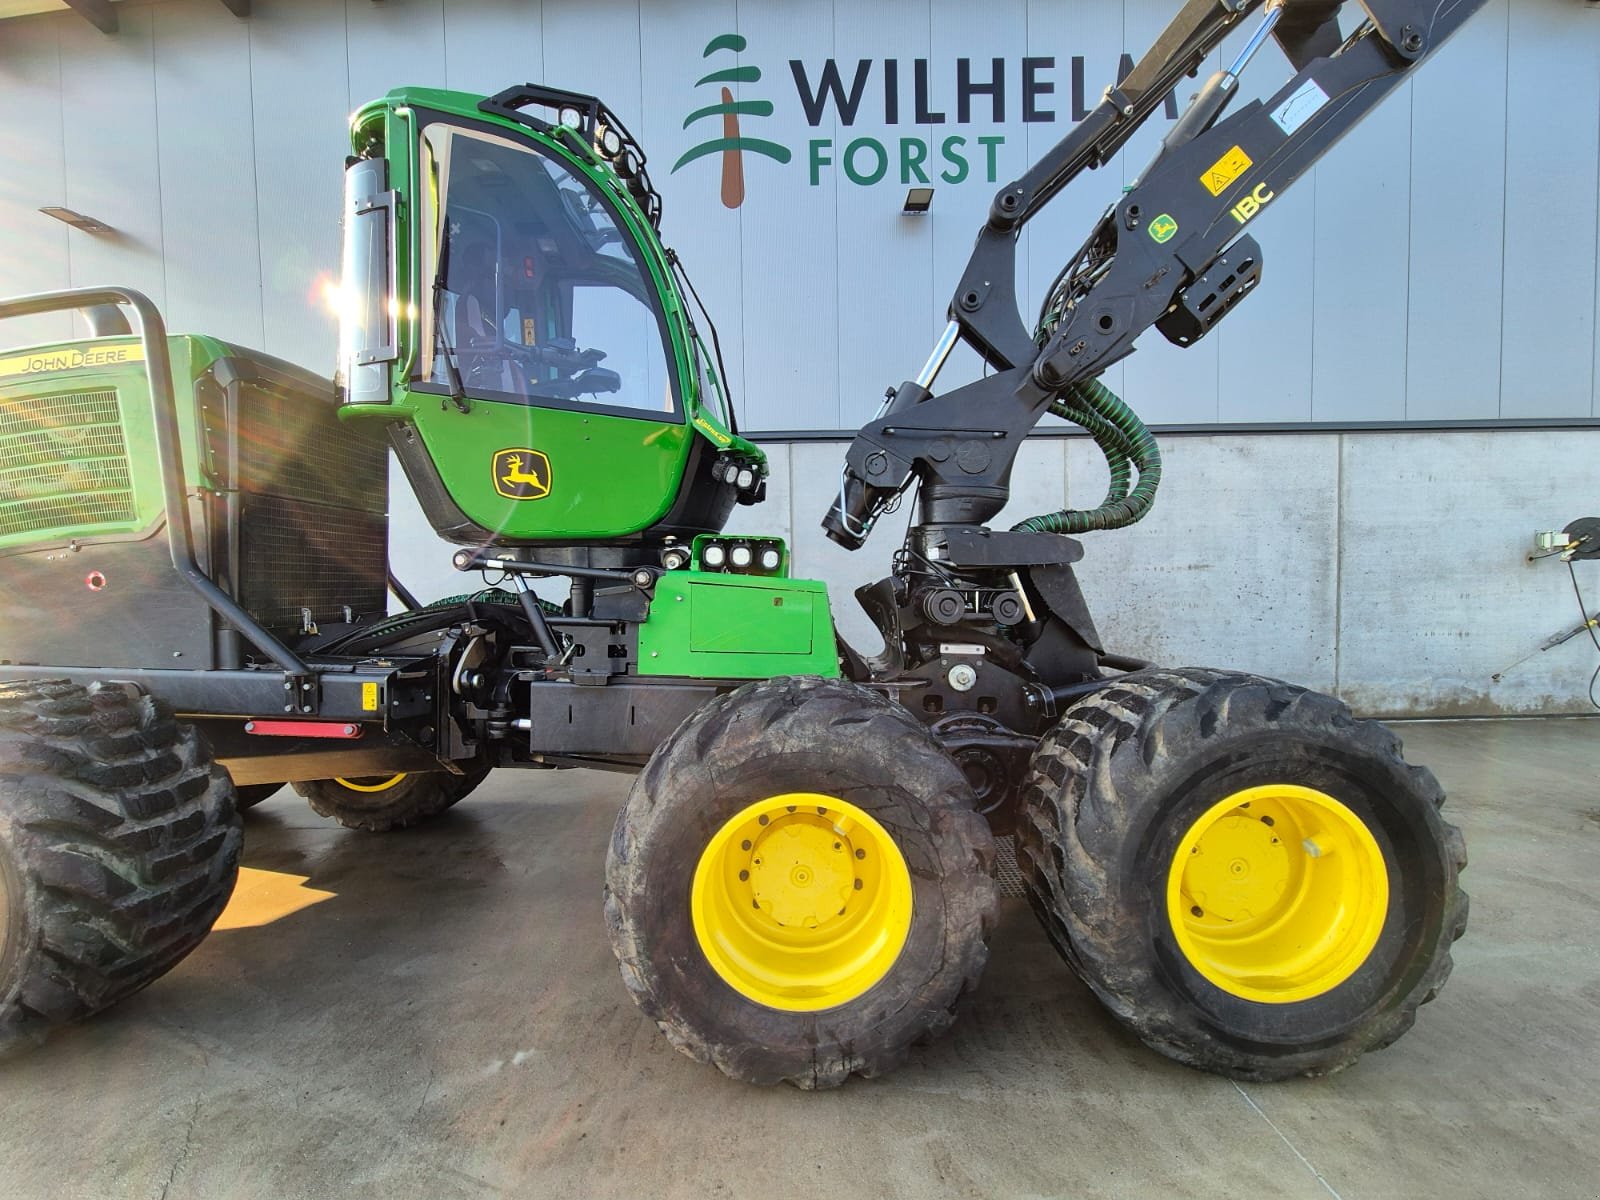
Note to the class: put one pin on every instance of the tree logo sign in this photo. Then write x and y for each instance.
(888, 121)
(732, 144)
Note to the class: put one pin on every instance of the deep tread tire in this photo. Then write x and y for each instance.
(800, 735)
(119, 847)
(415, 799)
(1111, 791)
(253, 794)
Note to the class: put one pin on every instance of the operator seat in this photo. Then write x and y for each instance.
(476, 325)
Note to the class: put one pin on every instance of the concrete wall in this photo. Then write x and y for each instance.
(1388, 568)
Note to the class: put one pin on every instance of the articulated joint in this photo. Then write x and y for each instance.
(1006, 211)
(1407, 25)
(1413, 43)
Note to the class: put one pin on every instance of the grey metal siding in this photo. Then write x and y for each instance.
(1442, 264)
(33, 250)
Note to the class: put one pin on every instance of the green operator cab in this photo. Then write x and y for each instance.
(509, 312)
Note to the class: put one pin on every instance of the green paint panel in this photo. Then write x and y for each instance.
(713, 626)
(722, 618)
(606, 474)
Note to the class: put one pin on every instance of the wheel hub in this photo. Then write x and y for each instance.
(800, 873)
(801, 902)
(1278, 893)
(1238, 870)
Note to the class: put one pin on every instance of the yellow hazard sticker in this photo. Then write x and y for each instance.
(712, 432)
(1225, 170)
(70, 358)
(369, 697)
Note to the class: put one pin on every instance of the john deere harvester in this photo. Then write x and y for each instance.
(799, 887)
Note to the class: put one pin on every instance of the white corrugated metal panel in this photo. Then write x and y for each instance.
(212, 253)
(1440, 265)
(1552, 189)
(34, 250)
(108, 101)
(1458, 206)
(490, 44)
(301, 99)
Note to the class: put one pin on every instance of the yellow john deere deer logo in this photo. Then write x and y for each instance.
(521, 474)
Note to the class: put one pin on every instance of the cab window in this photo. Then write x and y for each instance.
(532, 290)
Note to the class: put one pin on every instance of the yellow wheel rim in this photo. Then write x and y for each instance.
(801, 902)
(370, 783)
(1278, 893)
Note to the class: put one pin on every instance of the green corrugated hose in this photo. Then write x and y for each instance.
(1127, 445)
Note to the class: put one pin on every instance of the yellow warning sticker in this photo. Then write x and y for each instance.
(369, 697)
(712, 432)
(1225, 170)
(70, 358)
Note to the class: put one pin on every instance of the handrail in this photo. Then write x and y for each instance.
(169, 456)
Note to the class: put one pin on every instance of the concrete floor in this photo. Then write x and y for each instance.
(450, 1023)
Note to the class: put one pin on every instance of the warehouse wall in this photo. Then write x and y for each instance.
(1439, 265)
(1388, 568)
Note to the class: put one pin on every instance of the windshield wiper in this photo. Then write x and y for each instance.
(458, 389)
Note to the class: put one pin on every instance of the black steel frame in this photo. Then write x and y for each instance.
(960, 446)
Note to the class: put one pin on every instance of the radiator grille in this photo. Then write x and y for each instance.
(63, 463)
(299, 555)
(295, 448)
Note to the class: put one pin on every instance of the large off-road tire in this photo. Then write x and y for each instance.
(252, 794)
(383, 802)
(1251, 879)
(799, 887)
(119, 847)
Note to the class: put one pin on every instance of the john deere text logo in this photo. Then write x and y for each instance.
(1163, 229)
(521, 474)
(70, 358)
(731, 144)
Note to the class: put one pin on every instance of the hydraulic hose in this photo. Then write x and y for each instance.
(1127, 445)
(436, 615)
(1113, 443)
